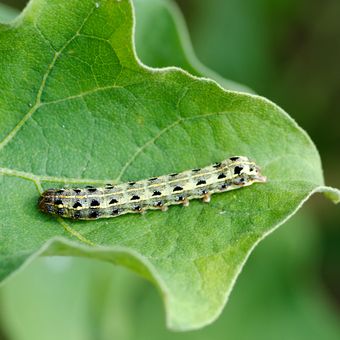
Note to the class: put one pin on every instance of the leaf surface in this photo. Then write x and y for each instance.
(77, 107)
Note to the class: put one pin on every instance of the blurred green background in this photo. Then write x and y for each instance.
(289, 52)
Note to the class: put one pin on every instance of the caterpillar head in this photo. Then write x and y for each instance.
(246, 170)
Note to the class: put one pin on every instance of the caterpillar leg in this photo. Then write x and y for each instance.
(185, 202)
(206, 198)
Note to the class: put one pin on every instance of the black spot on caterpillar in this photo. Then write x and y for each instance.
(77, 205)
(154, 193)
(237, 170)
(58, 202)
(201, 182)
(115, 212)
(95, 203)
(94, 214)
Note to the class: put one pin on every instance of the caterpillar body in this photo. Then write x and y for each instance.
(154, 193)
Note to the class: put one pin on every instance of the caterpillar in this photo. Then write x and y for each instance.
(91, 203)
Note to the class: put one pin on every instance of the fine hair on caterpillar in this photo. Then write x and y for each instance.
(156, 193)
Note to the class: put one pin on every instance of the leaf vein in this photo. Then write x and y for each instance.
(37, 103)
(75, 233)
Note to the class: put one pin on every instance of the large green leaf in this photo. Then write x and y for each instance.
(77, 107)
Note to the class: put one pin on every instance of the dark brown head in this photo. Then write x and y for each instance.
(46, 201)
